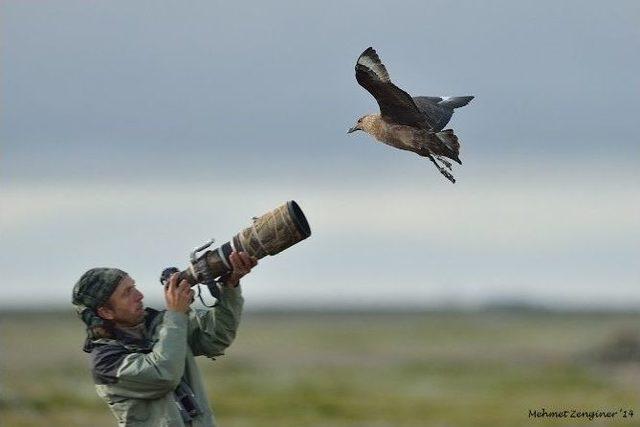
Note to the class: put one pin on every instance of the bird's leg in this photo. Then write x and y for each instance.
(442, 170)
(444, 162)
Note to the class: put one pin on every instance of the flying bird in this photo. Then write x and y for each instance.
(413, 124)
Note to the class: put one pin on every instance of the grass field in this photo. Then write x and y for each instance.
(358, 369)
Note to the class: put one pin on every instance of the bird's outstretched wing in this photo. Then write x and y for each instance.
(437, 115)
(394, 103)
(438, 110)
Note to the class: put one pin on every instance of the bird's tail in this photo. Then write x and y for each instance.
(450, 141)
(456, 101)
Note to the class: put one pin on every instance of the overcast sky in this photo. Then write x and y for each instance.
(133, 131)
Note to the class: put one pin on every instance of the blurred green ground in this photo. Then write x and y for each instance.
(313, 369)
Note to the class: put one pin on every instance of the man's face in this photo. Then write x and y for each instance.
(125, 304)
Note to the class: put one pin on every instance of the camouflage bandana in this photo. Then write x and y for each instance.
(91, 291)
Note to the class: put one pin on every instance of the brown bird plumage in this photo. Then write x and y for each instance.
(402, 123)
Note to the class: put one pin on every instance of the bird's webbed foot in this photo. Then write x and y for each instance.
(447, 175)
(442, 170)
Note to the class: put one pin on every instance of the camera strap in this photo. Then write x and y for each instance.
(186, 401)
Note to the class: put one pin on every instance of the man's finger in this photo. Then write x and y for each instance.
(173, 279)
(184, 286)
(245, 259)
(189, 295)
(236, 259)
(243, 264)
(176, 287)
(173, 282)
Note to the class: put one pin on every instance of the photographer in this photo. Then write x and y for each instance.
(142, 360)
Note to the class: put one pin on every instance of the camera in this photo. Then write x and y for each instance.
(269, 234)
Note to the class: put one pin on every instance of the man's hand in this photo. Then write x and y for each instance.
(178, 297)
(242, 264)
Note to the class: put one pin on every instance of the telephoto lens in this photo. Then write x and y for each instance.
(269, 234)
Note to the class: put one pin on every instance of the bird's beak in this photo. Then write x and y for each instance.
(353, 129)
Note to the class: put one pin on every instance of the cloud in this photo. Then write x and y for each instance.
(442, 243)
(499, 215)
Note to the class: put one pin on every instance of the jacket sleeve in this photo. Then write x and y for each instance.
(212, 331)
(147, 375)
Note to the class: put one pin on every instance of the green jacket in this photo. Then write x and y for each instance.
(138, 379)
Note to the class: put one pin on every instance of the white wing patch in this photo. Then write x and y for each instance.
(374, 65)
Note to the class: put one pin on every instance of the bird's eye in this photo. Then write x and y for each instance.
(359, 120)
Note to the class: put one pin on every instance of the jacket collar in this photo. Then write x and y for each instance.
(151, 319)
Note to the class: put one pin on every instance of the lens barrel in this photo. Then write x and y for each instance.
(269, 234)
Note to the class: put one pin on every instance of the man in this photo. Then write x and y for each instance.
(142, 360)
